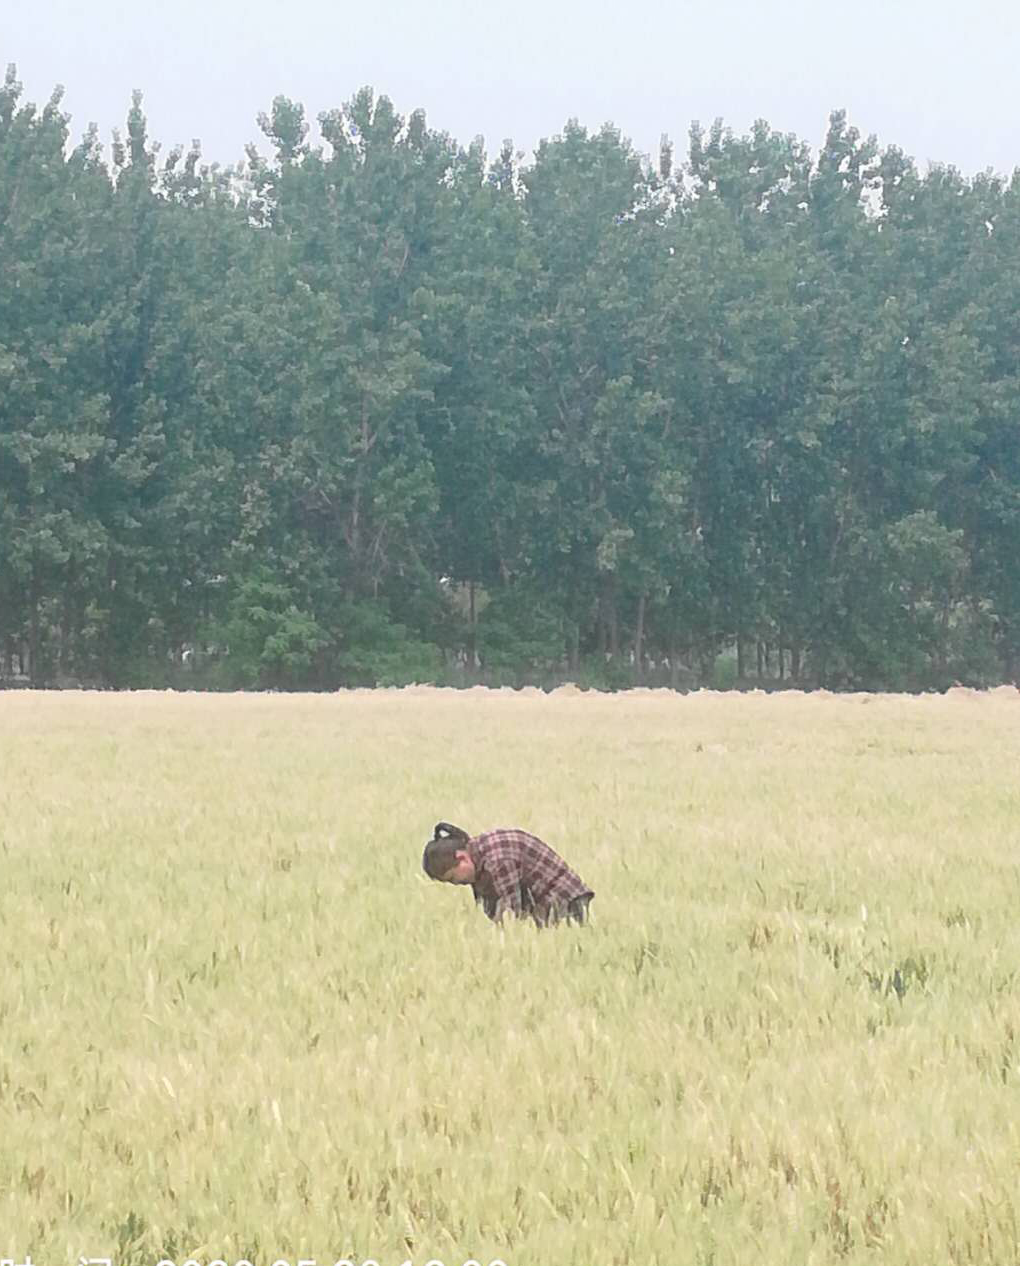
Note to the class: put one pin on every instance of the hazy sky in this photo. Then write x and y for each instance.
(937, 77)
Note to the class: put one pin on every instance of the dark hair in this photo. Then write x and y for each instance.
(441, 851)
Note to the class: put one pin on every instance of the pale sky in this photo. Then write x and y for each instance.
(939, 78)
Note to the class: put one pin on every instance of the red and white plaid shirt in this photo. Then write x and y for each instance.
(518, 873)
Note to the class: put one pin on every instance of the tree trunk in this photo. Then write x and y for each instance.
(574, 648)
(639, 639)
(614, 622)
(472, 627)
(819, 662)
(66, 631)
(33, 633)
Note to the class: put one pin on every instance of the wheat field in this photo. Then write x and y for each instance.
(237, 1022)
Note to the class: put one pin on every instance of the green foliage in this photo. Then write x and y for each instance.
(519, 633)
(268, 639)
(759, 404)
(724, 673)
(377, 651)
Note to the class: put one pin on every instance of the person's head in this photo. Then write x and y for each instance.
(446, 855)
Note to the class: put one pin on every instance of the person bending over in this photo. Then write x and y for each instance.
(510, 871)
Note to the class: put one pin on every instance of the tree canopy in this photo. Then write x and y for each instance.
(388, 409)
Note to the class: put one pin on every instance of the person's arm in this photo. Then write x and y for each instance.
(505, 873)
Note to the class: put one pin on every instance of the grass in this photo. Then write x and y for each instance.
(236, 1022)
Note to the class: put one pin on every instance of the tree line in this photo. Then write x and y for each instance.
(387, 409)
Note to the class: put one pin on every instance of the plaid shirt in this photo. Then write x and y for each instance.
(517, 872)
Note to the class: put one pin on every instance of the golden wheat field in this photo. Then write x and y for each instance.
(237, 1022)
